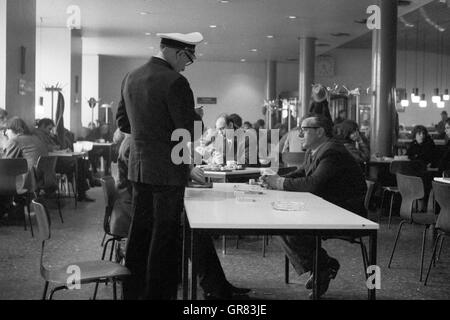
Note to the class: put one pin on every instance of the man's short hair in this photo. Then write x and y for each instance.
(3, 114)
(447, 121)
(45, 123)
(236, 119)
(322, 122)
(444, 112)
(18, 126)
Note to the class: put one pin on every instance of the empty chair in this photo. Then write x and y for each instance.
(293, 159)
(414, 168)
(13, 173)
(442, 196)
(47, 180)
(411, 189)
(88, 271)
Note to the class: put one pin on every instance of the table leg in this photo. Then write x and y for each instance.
(373, 259)
(316, 267)
(108, 162)
(194, 262)
(185, 265)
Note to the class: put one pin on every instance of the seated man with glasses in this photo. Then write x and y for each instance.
(330, 172)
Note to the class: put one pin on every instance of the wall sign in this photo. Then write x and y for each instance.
(206, 100)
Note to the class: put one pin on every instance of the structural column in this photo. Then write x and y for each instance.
(306, 72)
(17, 58)
(271, 86)
(384, 58)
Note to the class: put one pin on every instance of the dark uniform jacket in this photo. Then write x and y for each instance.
(332, 174)
(156, 100)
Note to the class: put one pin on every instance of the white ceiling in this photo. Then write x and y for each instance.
(116, 27)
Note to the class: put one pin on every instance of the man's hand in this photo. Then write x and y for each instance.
(271, 181)
(198, 175)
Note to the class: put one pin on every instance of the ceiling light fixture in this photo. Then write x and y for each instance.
(243, 60)
(144, 13)
(213, 26)
(292, 17)
(254, 50)
(405, 102)
(269, 36)
(148, 34)
(224, 1)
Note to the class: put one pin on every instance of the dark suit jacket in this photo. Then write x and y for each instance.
(156, 100)
(334, 175)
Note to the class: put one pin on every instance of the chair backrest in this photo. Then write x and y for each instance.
(42, 219)
(411, 189)
(293, 159)
(407, 167)
(110, 193)
(370, 188)
(442, 196)
(10, 171)
(46, 173)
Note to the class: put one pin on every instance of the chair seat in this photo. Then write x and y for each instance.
(424, 218)
(391, 189)
(90, 271)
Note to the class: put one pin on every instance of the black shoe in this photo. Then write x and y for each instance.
(238, 291)
(325, 277)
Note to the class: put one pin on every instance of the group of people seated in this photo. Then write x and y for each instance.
(19, 141)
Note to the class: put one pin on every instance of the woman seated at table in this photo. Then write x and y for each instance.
(347, 132)
(422, 148)
(444, 162)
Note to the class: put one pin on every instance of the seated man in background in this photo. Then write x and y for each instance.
(330, 172)
(66, 165)
(124, 142)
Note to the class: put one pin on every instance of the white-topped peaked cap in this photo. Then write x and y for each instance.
(180, 40)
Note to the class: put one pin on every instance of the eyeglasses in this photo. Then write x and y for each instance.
(190, 56)
(302, 130)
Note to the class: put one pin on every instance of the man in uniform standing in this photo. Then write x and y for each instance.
(156, 101)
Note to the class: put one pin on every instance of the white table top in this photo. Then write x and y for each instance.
(102, 144)
(443, 180)
(218, 208)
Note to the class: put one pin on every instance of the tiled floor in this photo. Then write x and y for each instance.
(80, 236)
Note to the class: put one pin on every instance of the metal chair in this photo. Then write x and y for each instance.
(411, 189)
(352, 240)
(90, 271)
(441, 194)
(13, 174)
(47, 180)
(404, 167)
(110, 194)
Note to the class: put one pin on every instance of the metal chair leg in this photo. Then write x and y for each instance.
(56, 290)
(59, 207)
(44, 296)
(103, 240)
(115, 289)
(390, 210)
(105, 247)
(237, 242)
(286, 269)
(396, 240)
(95, 291)
(423, 252)
(440, 249)
(364, 256)
(432, 258)
(27, 209)
(112, 250)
